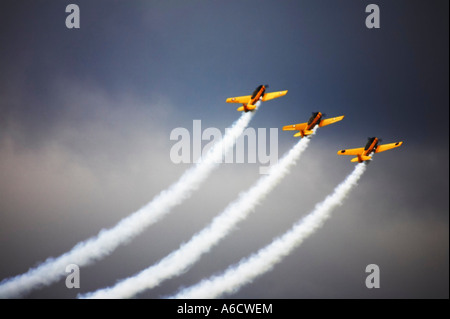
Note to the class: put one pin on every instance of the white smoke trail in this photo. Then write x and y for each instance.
(266, 258)
(95, 248)
(180, 260)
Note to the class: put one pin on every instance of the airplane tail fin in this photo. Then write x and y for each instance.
(303, 133)
(247, 108)
(361, 158)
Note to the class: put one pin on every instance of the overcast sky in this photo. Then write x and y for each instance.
(86, 116)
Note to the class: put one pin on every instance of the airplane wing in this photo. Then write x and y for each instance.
(330, 121)
(273, 95)
(239, 99)
(353, 151)
(295, 127)
(385, 147)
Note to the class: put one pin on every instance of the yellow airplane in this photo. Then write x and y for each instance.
(362, 154)
(249, 101)
(307, 128)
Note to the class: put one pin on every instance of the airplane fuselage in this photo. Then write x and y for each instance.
(371, 146)
(256, 96)
(314, 120)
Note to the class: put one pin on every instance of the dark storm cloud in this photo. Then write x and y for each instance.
(86, 117)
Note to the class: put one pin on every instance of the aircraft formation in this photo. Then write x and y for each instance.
(317, 119)
(88, 251)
